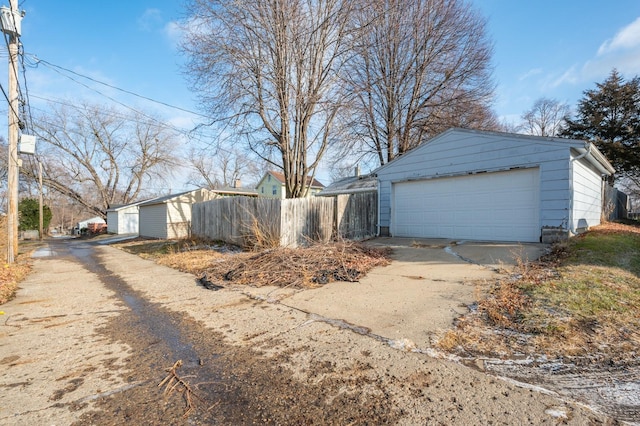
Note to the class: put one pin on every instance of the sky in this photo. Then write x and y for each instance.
(542, 48)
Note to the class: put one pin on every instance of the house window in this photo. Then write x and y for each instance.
(262, 189)
(274, 190)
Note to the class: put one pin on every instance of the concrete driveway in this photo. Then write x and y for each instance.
(427, 285)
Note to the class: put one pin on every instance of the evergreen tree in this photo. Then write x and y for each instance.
(609, 116)
(28, 210)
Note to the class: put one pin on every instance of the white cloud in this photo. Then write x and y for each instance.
(570, 76)
(530, 73)
(627, 38)
(621, 52)
(149, 20)
(174, 32)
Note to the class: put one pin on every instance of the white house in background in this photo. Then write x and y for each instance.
(124, 218)
(169, 217)
(84, 224)
(477, 185)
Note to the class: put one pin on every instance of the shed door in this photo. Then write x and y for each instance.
(130, 225)
(500, 206)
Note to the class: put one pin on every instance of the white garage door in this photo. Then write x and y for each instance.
(501, 206)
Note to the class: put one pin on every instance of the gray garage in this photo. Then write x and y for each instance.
(466, 184)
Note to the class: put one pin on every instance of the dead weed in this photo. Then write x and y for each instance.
(10, 274)
(564, 305)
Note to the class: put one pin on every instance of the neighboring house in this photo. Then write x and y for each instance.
(272, 185)
(124, 218)
(478, 185)
(351, 185)
(229, 191)
(169, 217)
(83, 225)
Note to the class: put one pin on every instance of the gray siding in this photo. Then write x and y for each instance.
(153, 221)
(466, 152)
(587, 190)
(112, 222)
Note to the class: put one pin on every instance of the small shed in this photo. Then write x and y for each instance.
(124, 218)
(169, 217)
(478, 185)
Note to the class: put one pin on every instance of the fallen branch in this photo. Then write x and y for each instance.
(174, 382)
(305, 267)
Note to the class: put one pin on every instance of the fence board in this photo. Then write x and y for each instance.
(615, 204)
(306, 219)
(237, 220)
(248, 221)
(357, 215)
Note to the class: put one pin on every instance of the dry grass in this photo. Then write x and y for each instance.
(582, 300)
(10, 275)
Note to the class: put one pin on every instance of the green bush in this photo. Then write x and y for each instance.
(28, 210)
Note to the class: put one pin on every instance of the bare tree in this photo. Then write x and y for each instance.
(545, 118)
(271, 68)
(420, 66)
(222, 168)
(98, 156)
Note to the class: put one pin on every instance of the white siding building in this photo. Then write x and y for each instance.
(124, 219)
(169, 217)
(477, 185)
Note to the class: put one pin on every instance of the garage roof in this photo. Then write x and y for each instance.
(588, 149)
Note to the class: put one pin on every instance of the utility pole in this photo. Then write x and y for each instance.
(11, 26)
(40, 206)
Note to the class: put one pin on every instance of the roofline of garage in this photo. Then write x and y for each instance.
(468, 173)
(596, 158)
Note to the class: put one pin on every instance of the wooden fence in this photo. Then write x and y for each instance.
(236, 220)
(249, 221)
(615, 204)
(357, 215)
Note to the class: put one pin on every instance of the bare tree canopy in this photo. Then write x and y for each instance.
(222, 168)
(545, 118)
(270, 68)
(98, 156)
(419, 67)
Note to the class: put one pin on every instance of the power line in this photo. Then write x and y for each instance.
(26, 103)
(57, 68)
(190, 133)
(7, 98)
